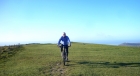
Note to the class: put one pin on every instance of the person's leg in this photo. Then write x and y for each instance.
(67, 51)
(61, 49)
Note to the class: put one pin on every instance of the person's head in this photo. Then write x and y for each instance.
(64, 34)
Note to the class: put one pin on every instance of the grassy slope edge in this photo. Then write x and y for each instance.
(85, 60)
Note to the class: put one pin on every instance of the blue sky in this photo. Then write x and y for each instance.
(82, 20)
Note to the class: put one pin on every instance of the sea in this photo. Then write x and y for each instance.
(106, 42)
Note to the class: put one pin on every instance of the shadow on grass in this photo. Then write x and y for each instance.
(108, 64)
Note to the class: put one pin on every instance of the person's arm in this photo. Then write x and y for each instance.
(59, 40)
(69, 40)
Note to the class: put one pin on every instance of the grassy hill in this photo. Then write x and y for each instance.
(85, 60)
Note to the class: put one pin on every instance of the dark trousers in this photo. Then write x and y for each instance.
(65, 47)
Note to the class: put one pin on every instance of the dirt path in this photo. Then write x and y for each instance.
(58, 69)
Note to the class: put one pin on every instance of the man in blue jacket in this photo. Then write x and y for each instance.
(65, 41)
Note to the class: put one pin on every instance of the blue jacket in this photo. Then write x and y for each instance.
(65, 40)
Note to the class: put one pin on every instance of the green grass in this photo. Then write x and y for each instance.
(85, 60)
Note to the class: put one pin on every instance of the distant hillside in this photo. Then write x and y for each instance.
(130, 44)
